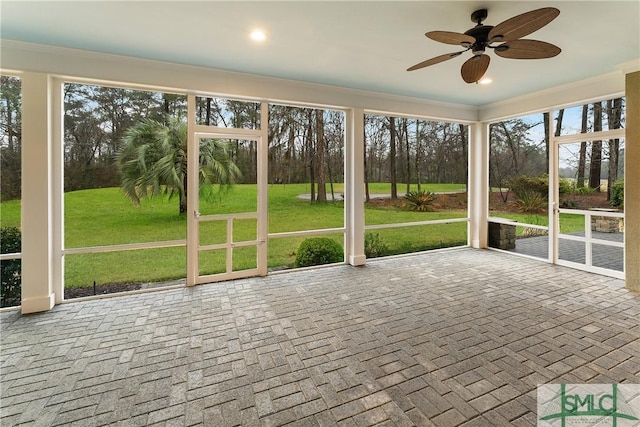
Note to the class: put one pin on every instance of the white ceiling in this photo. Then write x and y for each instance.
(357, 44)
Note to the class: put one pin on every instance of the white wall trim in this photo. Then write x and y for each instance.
(587, 91)
(109, 69)
(629, 66)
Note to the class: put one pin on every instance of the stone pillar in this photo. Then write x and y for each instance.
(631, 180)
(502, 236)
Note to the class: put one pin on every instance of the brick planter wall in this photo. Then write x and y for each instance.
(606, 224)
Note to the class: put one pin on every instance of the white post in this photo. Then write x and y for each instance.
(193, 196)
(57, 193)
(354, 186)
(263, 188)
(478, 187)
(554, 194)
(37, 254)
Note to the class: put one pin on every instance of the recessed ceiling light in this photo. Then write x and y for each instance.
(258, 35)
(485, 81)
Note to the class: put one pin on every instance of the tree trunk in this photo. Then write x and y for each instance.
(512, 148)
(556, 133)
(366, 173)
(183, 197)
(595, 167)
(614, 112)
(319, 154)
(418, 151)
(463, 143)
(330, 172)
(407, 152)
(311, 156)
(582, 160)
(558, 129)
(545, 120)
(208, 112)
(166, 111)
(392, 158)
(289, 155)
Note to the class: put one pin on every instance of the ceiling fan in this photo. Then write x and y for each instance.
(508, 33)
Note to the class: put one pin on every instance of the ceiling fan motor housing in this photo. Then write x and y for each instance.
(481, 34)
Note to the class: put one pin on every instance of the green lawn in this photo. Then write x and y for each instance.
(569, 223)
(102, 217)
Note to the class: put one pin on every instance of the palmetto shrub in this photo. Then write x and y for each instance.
(530, 201)
(420, 200)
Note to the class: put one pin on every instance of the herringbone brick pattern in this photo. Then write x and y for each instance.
(446, 338)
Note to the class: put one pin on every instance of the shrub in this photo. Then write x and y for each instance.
(524, 184)
(420, 200)
(565, 186)
(569, 204)
(318, 251)
(584, 191)
(530, 201)
(617, 194)
(10, 270)
(374, 246)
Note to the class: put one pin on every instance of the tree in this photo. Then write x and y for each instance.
(320, 152)
(556, 133)
(595, 167)
(153, 161)
(392, 158)
(10, 137)
(614, 116)
(582, 161)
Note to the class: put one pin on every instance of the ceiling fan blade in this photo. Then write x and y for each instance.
(522, 25)
(435, 60)
(450, 37)
(527, 49)
(474, 68)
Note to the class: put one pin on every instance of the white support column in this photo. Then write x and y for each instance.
(478, 187)
(37, 258)
(57, 193)
(554, 194)
(193, 196)
(263, 188)
(354, 186)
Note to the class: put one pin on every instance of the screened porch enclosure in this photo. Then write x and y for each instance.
(43, 206)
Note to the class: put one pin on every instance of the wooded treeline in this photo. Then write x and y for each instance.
(516, 150)
(406, 151)
(10, 137)
(306, 145)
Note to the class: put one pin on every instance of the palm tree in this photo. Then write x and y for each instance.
(153, 161)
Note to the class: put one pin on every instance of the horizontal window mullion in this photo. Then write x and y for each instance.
(125, 247)
(416, 223)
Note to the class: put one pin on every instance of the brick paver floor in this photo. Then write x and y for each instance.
(446, 338)
(603, 256)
